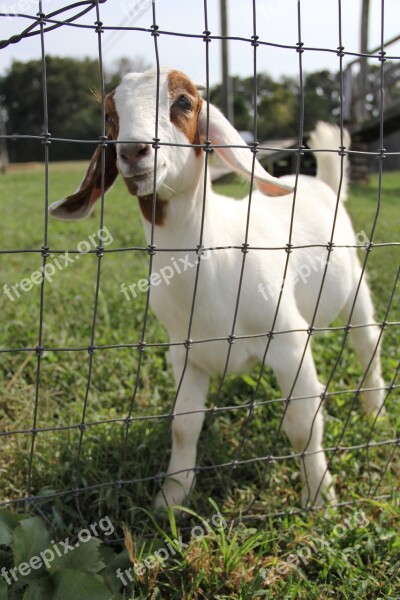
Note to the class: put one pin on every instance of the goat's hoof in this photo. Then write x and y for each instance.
(172, 494)
(324, 498)
(372, 400)
(372, 407)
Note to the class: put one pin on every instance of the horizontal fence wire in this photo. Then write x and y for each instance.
(40, 25)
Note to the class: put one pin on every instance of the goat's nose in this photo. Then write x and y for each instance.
(132, 152)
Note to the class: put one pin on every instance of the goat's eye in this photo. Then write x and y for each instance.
(184, 102)
(109, 118)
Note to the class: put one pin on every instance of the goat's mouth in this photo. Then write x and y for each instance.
(140, 176)
(144, 182)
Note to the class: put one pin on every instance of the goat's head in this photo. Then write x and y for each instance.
(184, 121)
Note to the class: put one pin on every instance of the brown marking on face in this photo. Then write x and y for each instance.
(186, 106)
(146, 204)
(112, 118)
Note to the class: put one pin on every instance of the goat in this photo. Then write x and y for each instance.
(185, 120)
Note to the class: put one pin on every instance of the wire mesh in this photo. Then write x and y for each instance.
(41, 24)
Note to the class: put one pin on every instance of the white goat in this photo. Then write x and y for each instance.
(179, 181)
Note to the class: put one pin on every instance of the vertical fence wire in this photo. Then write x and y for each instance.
(100, 254)
(45, 250)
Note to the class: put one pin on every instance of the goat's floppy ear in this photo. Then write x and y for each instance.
(221, 132)
(80, 204)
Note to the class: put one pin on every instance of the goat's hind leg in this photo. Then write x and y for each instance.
(303, 419)
(186, 428)
(365, 341)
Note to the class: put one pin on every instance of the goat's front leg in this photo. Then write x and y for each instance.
(186, 428)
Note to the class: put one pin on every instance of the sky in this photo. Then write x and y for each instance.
(276, 23)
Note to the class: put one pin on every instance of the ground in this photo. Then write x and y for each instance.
(246, 561)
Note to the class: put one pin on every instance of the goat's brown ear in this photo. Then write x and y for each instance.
(80, 204)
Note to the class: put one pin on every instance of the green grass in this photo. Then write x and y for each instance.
(359, 565)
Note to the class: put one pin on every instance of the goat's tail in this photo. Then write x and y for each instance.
(329, 164)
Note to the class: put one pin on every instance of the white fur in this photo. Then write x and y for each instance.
(180, 180)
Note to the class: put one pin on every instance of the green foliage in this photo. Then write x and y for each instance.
(73, 111)
(278, 102)
(30, 537)
(278, 111)
(33, 570)
(321, 98)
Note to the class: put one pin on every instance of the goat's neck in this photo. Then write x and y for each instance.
(183, 215)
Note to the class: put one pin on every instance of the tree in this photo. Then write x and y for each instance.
(3, 144)
(278, 102)
(321, 98)
(126, 65)
(243, 98)
(72, 109)
(276, 105)
(278, 110)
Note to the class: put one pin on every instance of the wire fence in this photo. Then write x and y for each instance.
(69, 16)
